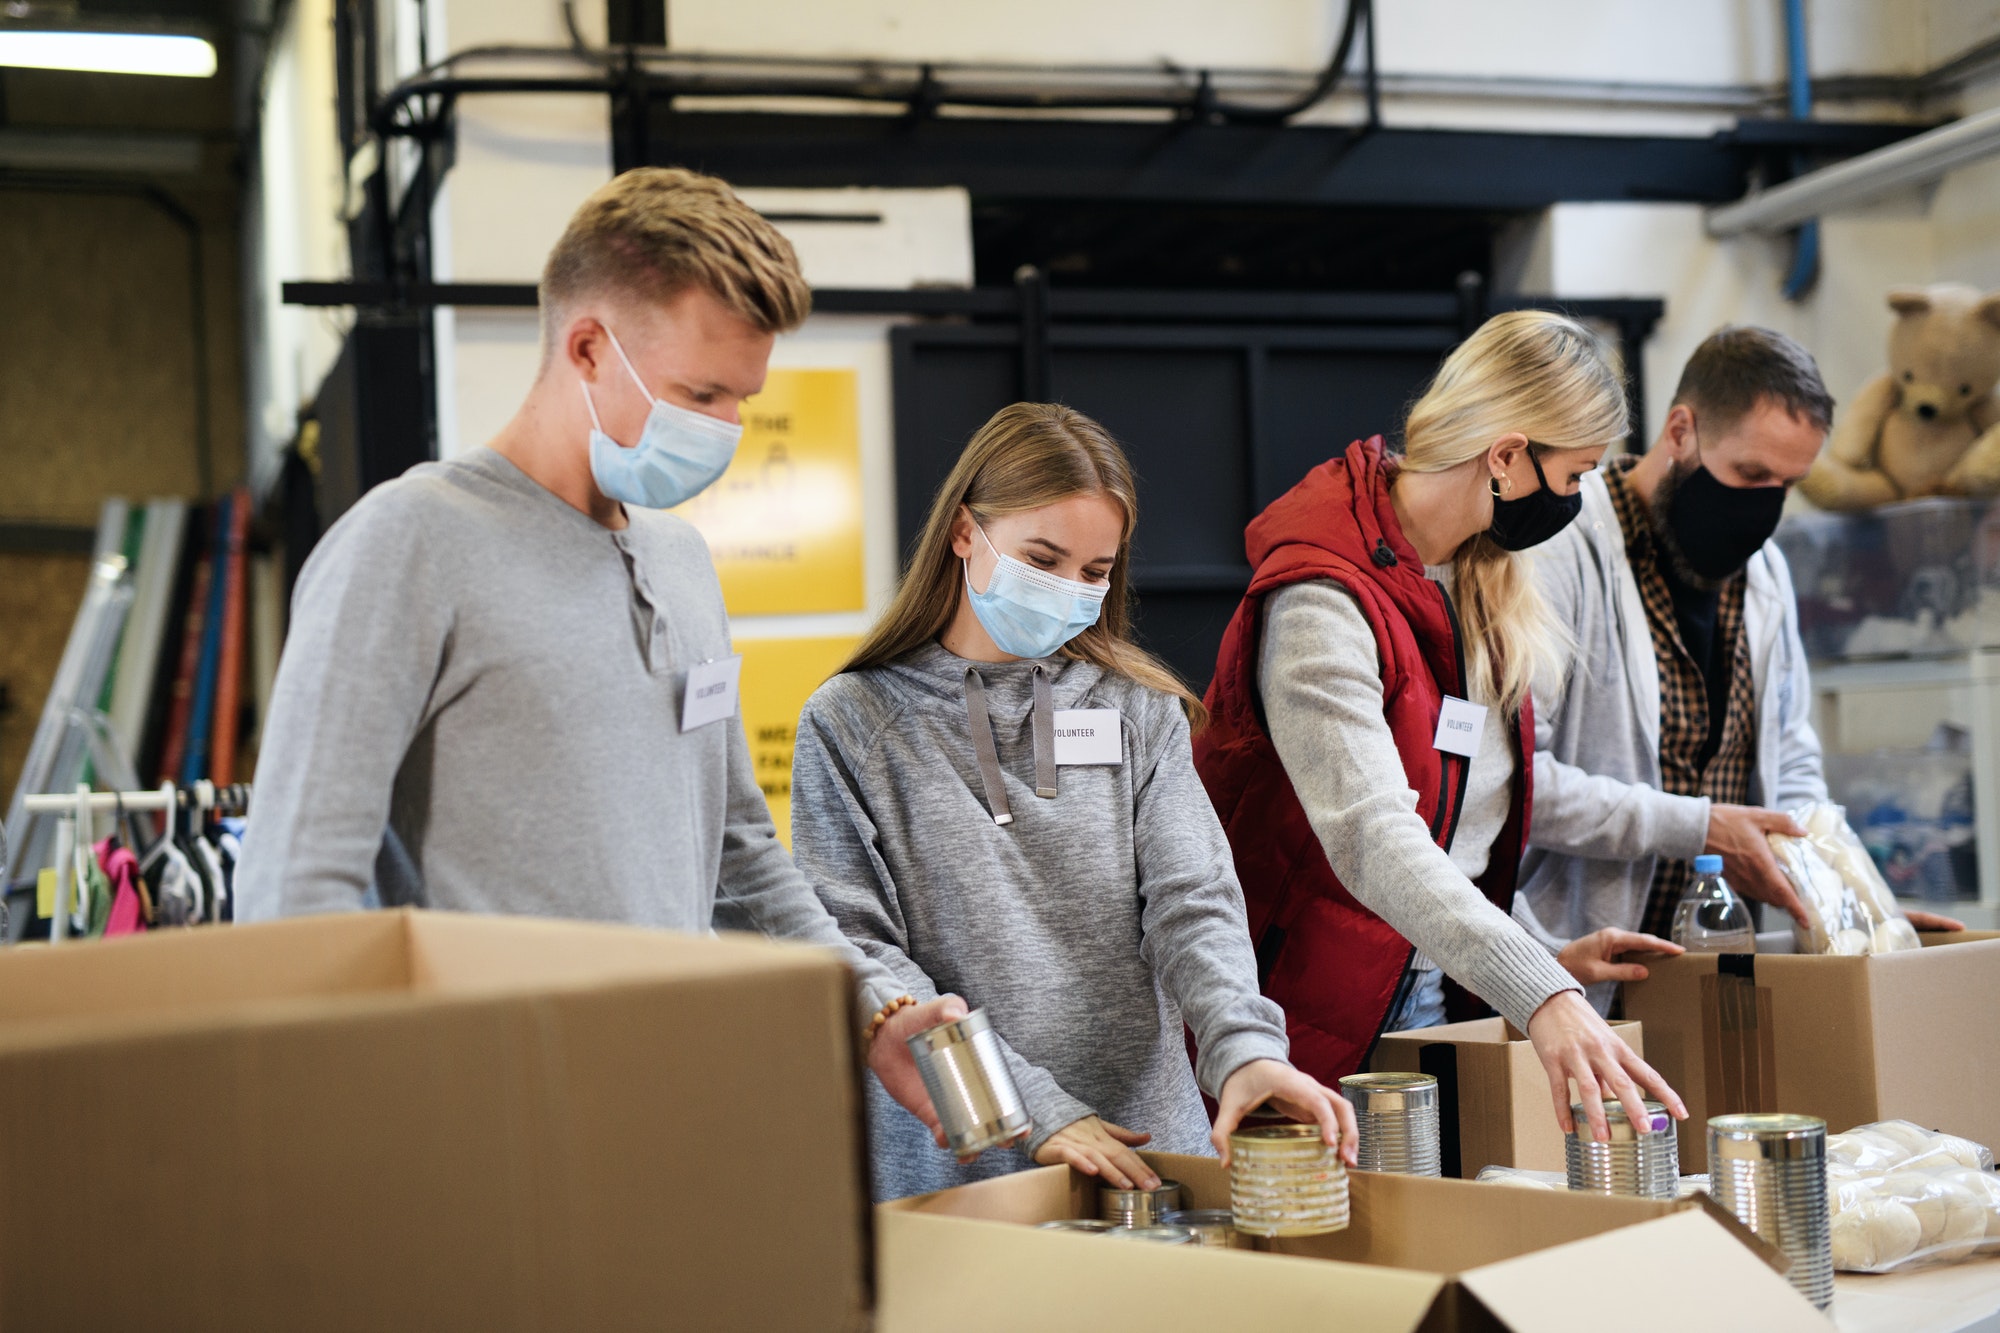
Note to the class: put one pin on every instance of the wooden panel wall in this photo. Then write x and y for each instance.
(97, 395)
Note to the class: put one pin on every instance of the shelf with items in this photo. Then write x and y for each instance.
(1899, 608)
(1912, 750)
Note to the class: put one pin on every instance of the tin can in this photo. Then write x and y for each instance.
(1285, 1180)
(1157, 1235)
(1397, 1115)
(1138, 1208)
(1770, 1170)
(1089, 1225)
(966, 1076)
(1214, 1228)
(1643, 1161)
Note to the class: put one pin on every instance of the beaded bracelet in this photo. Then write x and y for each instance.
(882, 1016)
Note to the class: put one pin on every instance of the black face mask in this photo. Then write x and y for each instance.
(1713, 529)
(1535, 517)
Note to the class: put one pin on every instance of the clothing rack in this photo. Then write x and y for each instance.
(76, 816)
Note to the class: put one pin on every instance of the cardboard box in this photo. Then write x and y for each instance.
(1493, 1094)
(1435, 1255)
(416, 1121)
(1850, 1040)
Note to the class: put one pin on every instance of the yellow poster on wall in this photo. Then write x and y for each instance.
(784, 522)
(779, 675)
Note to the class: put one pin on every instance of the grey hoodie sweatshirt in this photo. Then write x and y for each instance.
(1089, 927)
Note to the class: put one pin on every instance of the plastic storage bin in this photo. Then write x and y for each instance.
(1916, 579)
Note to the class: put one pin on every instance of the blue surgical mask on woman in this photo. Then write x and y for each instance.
(679, 455)
(1030, 612)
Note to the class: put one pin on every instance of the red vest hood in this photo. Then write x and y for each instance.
(1342, 510)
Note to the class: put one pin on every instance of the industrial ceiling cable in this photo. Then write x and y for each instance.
(920, 86)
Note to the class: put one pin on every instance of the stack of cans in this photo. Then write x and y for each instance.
(1397, 1115)
(1157, 1235)
(1770, 1170)
(1286, 1180)
(1138, 1208)
(1212, 1227)
(1639, 1160)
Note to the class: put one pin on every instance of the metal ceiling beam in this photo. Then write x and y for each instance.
(94, 151)
(1915, 161)
(1183, 162)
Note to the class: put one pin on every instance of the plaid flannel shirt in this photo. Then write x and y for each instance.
(1684, 720)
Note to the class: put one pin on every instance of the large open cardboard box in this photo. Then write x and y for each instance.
(1848, 1039)
(418, 1121)
(1493, 1094)
(1431, 1255)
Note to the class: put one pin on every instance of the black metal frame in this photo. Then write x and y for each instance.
(1034, 307)
(1255, 340)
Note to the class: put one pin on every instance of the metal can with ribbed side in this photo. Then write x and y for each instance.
(1286, 1180)
(1770, 1170)
(966, 1075)
(1397, 1115)
(1089, 1225)
(1138, 1208)
(1643, 1161)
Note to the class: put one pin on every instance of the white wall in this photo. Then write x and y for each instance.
(1632, 41)
(1965, 212)
(1582, 250)
(295, 232)
(1949, 231)
(524, 162)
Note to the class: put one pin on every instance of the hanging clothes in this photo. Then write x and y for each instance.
(127, 915)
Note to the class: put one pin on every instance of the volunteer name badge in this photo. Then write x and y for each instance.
(1089, 736)
(711, 692)
(1460, 725)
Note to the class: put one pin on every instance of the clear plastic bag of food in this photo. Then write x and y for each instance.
(1848, 903)
(1895, 1143)
(1902, 1196)
(1522, 1178)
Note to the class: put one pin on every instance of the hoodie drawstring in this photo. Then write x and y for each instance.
(1044, 729)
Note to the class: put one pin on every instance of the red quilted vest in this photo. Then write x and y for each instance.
(1332, 964)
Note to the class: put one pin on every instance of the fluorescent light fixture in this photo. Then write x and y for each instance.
(174, 54)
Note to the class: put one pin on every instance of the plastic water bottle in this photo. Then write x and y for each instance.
(1710, 918)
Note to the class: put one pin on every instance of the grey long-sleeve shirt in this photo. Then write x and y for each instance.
(1087, 928)
(1321, 686)
(478, 709)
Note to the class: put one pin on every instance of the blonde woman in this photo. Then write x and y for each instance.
(1372, 714)
(997, 798)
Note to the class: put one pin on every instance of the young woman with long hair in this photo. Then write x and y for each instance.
(1373, 737)
(997, 798)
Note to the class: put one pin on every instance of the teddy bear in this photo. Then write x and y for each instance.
(1931, 426)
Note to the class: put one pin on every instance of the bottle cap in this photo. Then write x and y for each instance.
(1708, 865)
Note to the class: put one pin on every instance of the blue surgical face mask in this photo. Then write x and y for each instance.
(679, 454)
(1030, 612)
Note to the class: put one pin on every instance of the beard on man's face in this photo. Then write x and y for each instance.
(1661, 513)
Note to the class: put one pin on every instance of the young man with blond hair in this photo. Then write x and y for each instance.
(506, 686)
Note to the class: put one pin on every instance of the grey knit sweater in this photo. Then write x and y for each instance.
(1321, 686)
(1088, 928)
(479, 710)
